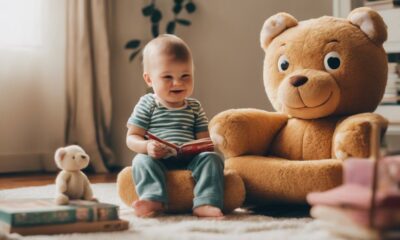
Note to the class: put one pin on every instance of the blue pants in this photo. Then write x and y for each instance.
(207, 170)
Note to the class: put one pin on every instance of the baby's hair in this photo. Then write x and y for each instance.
(169, 45)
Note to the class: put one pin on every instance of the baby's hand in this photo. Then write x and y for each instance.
(156, 150)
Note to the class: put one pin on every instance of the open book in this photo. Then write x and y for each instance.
(187, 149)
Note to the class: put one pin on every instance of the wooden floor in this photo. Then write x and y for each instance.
(8, 181)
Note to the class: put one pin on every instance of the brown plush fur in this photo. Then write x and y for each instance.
(326, 119)
(180, 186)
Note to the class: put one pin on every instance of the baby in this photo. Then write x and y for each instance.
(171, 115)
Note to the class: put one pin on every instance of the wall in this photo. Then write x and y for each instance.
(224, 38)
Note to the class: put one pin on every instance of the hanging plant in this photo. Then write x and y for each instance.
(155, 15)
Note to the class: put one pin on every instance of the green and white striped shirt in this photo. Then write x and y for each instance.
(174, 125)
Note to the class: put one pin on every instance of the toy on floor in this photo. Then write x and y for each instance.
(71, 182)
(324, 77)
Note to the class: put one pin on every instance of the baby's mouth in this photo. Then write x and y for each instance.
(177, 91)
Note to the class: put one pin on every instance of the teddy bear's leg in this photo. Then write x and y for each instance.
(62, 199)
(278, 180)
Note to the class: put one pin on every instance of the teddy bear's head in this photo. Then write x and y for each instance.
(325, 66)
(71, 158)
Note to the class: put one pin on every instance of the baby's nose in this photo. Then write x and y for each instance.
(177, 81)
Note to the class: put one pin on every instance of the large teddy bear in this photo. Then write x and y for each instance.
(324, 77)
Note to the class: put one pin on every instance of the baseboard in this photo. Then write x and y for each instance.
(27, 162)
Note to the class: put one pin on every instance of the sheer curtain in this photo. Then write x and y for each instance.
(54, 82)
(88, 80)
(32, 83)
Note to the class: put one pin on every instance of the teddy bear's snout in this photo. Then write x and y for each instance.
(298, 80)
(83, 160)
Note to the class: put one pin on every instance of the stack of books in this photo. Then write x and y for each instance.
(43, 216)
(392, 91)
(348, 209)
(381, 4)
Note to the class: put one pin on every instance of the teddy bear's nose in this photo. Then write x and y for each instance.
(298, 80)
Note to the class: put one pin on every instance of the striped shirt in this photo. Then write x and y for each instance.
(174, 125)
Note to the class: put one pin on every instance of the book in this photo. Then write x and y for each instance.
(33, 212)
(82, 227)
(357, 188)
(187, 149)
(346, 222)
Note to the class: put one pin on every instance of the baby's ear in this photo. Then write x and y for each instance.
(147, 79)
(60, 154)
(274, 26)
(370, 22)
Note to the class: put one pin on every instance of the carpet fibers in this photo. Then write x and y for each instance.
(241, 224)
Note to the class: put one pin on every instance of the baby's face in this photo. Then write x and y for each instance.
(172, 81)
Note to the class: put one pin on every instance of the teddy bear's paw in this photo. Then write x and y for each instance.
(342, 155)
(339, 142)
(217, 139)
(63, 187)
(62, 200)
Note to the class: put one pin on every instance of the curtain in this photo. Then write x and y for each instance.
(88, 80)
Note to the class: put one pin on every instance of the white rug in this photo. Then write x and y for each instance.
(239, 225)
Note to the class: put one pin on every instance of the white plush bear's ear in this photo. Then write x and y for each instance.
(60, 154)
(370, 22)
(274, 26)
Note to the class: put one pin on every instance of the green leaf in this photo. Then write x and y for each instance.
(171, 27)
(148, 10)
(133, 55)
(190, 7)
(133, 44)
(183, 22)
(177, 8)
(156, 16)
(154, 30)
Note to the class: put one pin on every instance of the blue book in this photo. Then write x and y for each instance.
(33, 212)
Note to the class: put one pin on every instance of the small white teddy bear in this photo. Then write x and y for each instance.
(71, 182)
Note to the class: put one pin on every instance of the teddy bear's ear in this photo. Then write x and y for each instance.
(370, 22)
(60, 154)
(274, 26)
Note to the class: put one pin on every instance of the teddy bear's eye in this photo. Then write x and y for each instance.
(332, 61)
(283, 63)
(73, 157)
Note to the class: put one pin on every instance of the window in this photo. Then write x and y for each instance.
(20, 23)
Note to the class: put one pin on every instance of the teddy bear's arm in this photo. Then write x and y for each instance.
(352, 135)
(245, 131)
(87, 192)
(62, 181)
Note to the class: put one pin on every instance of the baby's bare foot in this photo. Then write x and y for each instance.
(147, 208)
(208, 211)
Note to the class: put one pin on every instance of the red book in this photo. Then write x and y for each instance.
(187, 149)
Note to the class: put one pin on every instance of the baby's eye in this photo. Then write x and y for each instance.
(283, 63)
(332, 61)
(185, 76)
(168, 77)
